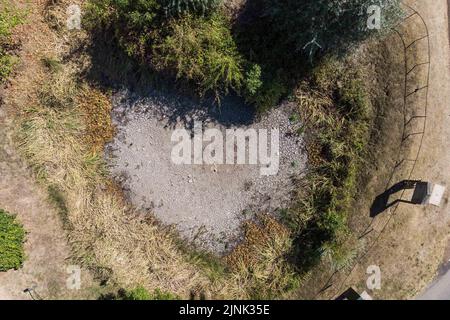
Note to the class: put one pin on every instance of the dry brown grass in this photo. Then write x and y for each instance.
(63, 145)
(259, 267)
(61, 136)
(104, 233)
(97, 109)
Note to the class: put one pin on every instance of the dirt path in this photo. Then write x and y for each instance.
(47, 251)
(439, 289)
(413, 245)
(207, 203)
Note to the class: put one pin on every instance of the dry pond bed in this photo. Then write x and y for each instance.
(206, 203)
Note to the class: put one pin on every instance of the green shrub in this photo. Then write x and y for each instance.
(132, 22)
(179, 7)
(12, 237)
(307, 27)
(197, 49)
(269, 94)
(253, 80)
(203, 51)
(335, 107)
(139, 293)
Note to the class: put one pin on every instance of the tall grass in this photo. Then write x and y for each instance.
(337, 113)
(202, 51)
(105, 234)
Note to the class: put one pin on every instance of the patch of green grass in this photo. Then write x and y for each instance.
(140, 293)
(12, 237)
(202, 50)
(9, 18)
(52, 65)
(213, 266)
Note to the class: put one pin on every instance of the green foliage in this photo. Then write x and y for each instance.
(140, 293)
(163, 295)
(269, 94)
(202, 51)
(353, 99)
(310, 26)
(261, 57)
(9, 18)
(253, 80)
(197, 49)
(12, 237)
(53, 65)
(180, 7)
(336, 109)
(7, 64)
(132, 22)
(289, 37)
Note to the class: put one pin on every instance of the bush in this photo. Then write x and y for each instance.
(202, 51)
(271, 90)
(197, 48)
(140, 293)
(9, 18)
(12, 237)
(179, 7)
(253, 80)
(335, 107)
(309, 26)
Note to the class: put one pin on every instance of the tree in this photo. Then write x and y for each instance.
(308, 27)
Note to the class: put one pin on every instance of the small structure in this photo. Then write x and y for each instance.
(422, 192)
(437, 194)
(428, 193)
(418, 192)
(351, 294)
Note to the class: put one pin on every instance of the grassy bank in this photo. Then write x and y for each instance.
(56, 136)
(338, 116)
(63, 132)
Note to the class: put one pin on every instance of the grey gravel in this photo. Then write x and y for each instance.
(206, 203)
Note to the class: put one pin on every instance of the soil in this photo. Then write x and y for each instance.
(206, 203)
(46, 248)
(409, 252)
